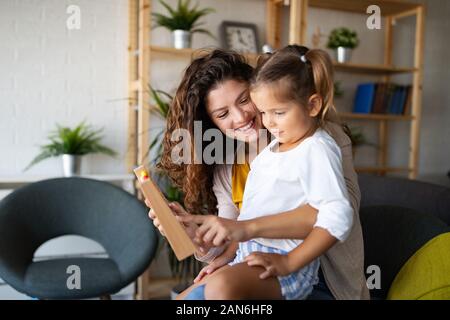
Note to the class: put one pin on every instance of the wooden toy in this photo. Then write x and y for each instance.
(175, 233)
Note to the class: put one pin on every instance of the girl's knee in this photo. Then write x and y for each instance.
(223, 287)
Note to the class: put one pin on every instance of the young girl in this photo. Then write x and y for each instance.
(293, 90)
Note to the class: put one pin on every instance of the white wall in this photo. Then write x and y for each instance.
(50, 74)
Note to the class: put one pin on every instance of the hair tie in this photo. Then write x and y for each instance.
(303, 58)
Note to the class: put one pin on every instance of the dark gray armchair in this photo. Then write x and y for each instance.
(398, 217)
(97, 210)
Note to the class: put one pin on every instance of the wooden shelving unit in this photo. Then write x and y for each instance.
(375, 117)
(392, 11)
(142, 53)
(371, 69)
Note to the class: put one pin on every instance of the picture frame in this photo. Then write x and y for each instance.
(239, 36)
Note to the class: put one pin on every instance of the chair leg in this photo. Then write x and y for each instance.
(105, 297)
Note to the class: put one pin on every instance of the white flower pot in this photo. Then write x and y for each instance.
(181, 39)
(343, 55)
(71, 165)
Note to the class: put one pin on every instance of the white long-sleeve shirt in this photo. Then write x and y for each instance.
(311, 173)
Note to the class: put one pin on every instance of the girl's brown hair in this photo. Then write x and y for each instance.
(204, 74)
(296, 74)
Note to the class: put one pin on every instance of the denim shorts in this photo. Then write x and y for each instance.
(295, 286)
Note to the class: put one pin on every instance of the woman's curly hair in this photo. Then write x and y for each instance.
(204, 74)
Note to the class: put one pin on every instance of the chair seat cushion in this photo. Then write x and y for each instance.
(53, 279)
(426, 275)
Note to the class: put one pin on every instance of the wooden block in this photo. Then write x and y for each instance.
(175, 233)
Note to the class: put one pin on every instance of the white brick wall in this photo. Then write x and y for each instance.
(50, 74)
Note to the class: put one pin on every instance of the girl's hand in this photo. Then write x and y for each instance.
(216, 231)
(275, 264)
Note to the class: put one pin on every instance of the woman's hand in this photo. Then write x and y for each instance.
(275, 264)
(179, 212)
(216, 231)
(213, 266)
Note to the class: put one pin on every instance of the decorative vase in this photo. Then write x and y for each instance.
(71, 165)
(181, 39)
(343, 55)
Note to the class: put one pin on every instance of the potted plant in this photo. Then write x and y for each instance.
(182, 21)
(343, 41)
(72, 144)
(184, 271)
(358, 138)
(338, 92)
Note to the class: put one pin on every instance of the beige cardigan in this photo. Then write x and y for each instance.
(343, 264)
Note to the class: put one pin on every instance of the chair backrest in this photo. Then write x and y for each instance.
(391, 236)
(97, 210)
(420, 196)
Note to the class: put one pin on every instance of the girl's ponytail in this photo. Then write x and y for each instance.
(323, 75)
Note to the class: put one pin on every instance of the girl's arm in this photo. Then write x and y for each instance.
(316, 244)
(217, 231)
(293, 224)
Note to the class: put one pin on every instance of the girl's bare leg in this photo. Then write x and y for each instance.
(237, 282)
(183, 294)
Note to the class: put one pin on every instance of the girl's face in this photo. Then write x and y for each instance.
(289, 122)
(230, 108)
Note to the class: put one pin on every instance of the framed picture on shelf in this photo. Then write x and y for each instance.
(239, 36)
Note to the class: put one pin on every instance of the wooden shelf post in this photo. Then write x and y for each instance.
(297, 21)
(417, 93)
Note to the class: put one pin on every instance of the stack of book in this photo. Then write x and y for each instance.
(388, 98)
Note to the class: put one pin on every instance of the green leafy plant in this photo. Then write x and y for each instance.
(159, 107)
(358, 138)
(183, 17)
(338, 92)
(343, 37)
(81, 140)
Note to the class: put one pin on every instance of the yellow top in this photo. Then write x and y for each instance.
(239, 175)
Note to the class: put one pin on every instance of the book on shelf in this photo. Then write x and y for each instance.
(383, 98)
(364, 98)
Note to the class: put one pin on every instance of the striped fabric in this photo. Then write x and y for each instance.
(297, 285)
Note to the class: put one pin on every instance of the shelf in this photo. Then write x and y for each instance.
(388, 7)
(184, 53)
(371, 69)
(252, 57)
(375, 117)
(382, 170)
(190, 53)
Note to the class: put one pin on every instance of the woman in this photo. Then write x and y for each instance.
(215, 91)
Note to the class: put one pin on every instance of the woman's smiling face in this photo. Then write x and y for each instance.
(230, 108)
